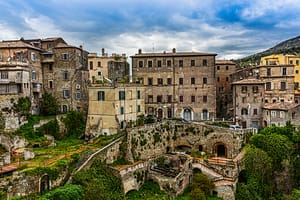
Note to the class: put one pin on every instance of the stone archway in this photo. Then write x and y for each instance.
(44, 184)
(187, 114)
(220, 150)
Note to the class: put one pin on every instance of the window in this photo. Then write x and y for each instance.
(297, 62)
(122, 110)
(99, 64)
(180, 81)
(255, 89)
(181, 99)
(138, 109)
(221, 89)
(65, 75)
(244, 111)
(64, 56)
(268, 86)
(149, 63)
(169, 63)
(50, 84)
(77, 95)
(218, 67)
(138, 94)
(281, 114)
(180, 63)
(159, 63)
(273, 113)
(150, 98)
(204, 62)
(204, 99)
(33, 56)
(296, 85)
(204, 80)
(227, 79)
(150, 81)
(99, 73)
(101, 96)
(218, 79)
(159, 98)
(297, 71)
(255, 111)
(0, 57)
(291, 62)
(169, 98)
(268, 71)
(244, 99)
(64, 108)
(282, 85)
(226, 67)
(159, 81)
(33, 75)
(140, 63)
(91, 64)
(284, 71)
(121, 95)
(244, 89)
(193, 99)
(169, 81)
(4, 75)
(66, 93)
(50, 67)
(192, 63)
(192, 80)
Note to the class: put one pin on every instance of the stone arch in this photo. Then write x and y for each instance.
(130, 191)
(220, 149)
(44, 183)
(196, 170)
(160, 113)
(187, 114)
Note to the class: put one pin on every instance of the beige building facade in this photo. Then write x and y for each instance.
(112, 106)
(177, 84)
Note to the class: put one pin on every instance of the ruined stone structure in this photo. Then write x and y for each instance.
(178, 84)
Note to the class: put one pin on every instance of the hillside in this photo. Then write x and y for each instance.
(290, 46)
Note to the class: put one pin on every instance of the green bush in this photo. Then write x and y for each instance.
(66, 192)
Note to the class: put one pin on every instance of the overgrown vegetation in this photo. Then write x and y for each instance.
(272, 163)
(48, 105)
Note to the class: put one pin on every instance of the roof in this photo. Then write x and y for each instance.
(17, 44)
(52, 39)
(249, 81)
(228, 62)
(171, 54)
(281, 106)
(63, 45)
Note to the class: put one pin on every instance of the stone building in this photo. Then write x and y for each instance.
(112, 106)
(111, 67)
(278, 114)
(65, 74)
(248, 102)
(177, 84)
(224, 77)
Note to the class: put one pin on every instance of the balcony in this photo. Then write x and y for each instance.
(47, 58)
(36, 87)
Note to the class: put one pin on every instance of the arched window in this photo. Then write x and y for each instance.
(244, 111)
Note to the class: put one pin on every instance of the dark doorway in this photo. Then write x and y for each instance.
(160, 113)
(221, 150)
(187, 114)
(44, 184)
(200, 148)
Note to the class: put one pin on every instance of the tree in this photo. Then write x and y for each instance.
(66, 192)
(202, 182)
(197, 194)
(48, 104)
(23, 106)
(74, 123)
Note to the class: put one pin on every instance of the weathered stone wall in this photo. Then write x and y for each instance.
(156, 139)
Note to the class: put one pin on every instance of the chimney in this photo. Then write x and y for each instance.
(103, 52)
(174, 50)
(140, 51)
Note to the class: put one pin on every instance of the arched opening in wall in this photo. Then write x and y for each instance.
(168, 150)
(132, 192)
(187, 114)
(44, 184)
(200, 148)
(159, 113)
(184, 148)
(196, 170)
(220, 150)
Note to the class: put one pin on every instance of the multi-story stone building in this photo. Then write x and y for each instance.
(284, 59)
(21, 74)
(224, 77)
(65, 74)
(248, 102)
(112, 106)
(112, 67)
(178, 84)
(278, 114)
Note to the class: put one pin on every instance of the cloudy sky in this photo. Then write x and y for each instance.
(230, 28)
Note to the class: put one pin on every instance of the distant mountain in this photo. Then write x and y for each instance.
(290, 46)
